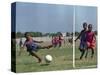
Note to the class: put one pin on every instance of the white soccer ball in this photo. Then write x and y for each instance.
(48, 58)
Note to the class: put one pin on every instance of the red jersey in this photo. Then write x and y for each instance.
(54, 40)
(90, 36)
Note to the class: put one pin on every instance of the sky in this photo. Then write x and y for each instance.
(85, 14)
(46, 18)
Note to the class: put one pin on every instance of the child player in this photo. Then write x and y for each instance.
(82, 37)
(60, 40)
(32, 47)
(90, 40)
(21, 46)
(54, 41)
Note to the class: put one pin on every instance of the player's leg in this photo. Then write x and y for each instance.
(86, 48)
(82, 54)
(53, 44)
(38, 47)
(21, 49)
(92, 52)
(35, 55)
(93, 45)
(82, 50)
(81, 47)
(44, 47)
(86, 53)
(60, 44)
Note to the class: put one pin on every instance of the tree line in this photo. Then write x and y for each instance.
(40, 34)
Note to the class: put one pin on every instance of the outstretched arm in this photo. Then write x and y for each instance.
(38, 41)
(78, 36)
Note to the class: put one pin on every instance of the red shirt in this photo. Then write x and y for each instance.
(90, 36)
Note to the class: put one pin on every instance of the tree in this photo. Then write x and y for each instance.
(76, 33)
(67, 34)
(36, 34)
(59, 33)
(19, 34)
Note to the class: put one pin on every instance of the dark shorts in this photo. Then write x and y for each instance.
(83, 45)
(35, 49)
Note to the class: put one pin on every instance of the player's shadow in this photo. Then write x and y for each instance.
(45, 64)
(77, 58)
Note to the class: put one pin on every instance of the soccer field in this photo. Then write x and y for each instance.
(85, 63)
(62, 60)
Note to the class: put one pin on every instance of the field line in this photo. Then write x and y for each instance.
(87, 66)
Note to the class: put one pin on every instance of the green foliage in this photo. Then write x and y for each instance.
(19, 35)
(36, 34)
(59, 33)
(77, 33)
(68, 34)
(40, 34)
(33, 34)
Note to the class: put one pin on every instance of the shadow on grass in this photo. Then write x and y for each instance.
(78, 59)
(45, 64)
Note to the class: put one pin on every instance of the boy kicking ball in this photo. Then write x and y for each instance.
(32, 47)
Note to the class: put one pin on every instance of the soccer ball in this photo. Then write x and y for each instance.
(48, 58)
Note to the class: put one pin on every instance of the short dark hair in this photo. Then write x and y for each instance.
(84, 23)
(90, 25)
(26, 34)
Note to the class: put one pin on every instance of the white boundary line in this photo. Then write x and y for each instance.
(92, 66)
(74, 37)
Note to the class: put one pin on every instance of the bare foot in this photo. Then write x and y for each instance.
(49, 46)
(39, 60)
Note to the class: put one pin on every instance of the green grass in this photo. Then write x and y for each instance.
(62, 60)
(85, 63)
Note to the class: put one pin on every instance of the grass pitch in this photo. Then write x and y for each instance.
(62, 60)
(85, 63)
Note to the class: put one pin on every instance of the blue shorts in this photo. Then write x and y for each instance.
(83, 45)
(33, 48)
